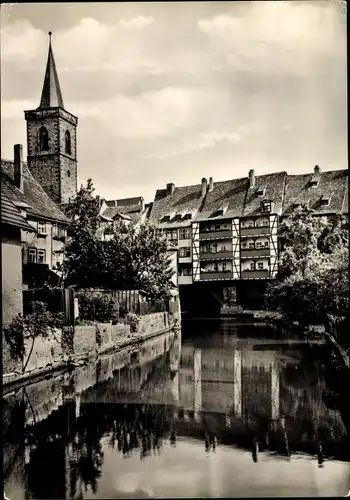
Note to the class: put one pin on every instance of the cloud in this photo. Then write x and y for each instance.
(207, 140)
(173, 90)
(137, 22)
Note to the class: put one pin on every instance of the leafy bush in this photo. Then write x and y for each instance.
(133, 320)
(40, 323)
(97, 306)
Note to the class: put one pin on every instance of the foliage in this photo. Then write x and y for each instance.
(312, 281)
(97, 306)
(135, 258)
(67, 339)
(138, 260)
(40, 323)
(80, 265)
(133, 320)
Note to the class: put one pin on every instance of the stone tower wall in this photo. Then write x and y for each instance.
(55, 169)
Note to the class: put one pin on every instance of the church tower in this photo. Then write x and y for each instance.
(52, 139)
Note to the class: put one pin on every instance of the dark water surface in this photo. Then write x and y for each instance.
(221, 410)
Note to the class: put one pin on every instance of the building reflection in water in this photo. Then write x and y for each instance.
(141, 401)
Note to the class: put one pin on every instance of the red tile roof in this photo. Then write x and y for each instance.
(41, 205)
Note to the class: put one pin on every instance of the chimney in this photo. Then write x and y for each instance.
(170, 188)
(98, 200)
(204, 186)
(17, 166)
(211, 184)
(251, 178)
(315, 176)
(142, 205)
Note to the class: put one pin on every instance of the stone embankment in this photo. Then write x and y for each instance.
(89, 341)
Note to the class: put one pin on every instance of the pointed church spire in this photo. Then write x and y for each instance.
(51, 96)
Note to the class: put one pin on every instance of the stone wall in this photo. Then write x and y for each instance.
(46, 351)
(50, 351)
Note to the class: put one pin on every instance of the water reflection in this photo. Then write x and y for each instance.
(220, 390)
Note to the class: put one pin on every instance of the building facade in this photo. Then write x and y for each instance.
(226, 232)
(52, 140)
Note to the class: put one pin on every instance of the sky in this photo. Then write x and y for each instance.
(173, 92)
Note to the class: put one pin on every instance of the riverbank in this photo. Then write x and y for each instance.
(46, 360)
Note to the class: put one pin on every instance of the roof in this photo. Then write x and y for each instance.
(11, 215)
(236, 199)
(51, 95)
(130, 207)
(332, 184)
(40, 204)
(184, 198)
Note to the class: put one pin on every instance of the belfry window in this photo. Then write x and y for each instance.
(43, 139)
(68, 143)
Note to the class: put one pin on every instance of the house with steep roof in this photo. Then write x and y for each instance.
(226, 232)
(13, 225)
(129, 210)
(42, 247)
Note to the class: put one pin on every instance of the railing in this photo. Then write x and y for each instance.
(257, 273)
(215, 234)
(255, 252)
(227, 254)
(215, 275)
(246, 231)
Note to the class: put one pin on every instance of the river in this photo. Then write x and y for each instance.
(220, 410)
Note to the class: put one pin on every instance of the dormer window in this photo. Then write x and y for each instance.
(166, 218)
(177, 217)
(43, 139)
(261, 191)
(266, 206)
(68, 143)
(325, 201)
(188, 217)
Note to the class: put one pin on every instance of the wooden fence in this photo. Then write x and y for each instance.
(58, 300)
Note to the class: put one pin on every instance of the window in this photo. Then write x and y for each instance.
(260, 266)
(68, 173)
(185, 271)
(43, 139)
(31, 255)
(258, 244)
(224, 267)
(41, 228)
(68, 143)
(266, 206)
(41, 257)
(251, 244)
(54, 230)
(185, 252)
(252, 266)
(184, 234)
(174, 235)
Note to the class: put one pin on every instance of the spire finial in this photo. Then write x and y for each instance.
(50, 33)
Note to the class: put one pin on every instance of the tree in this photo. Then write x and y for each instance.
(312, 282)
(138, 259)
(80, 267)
(134, 258)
